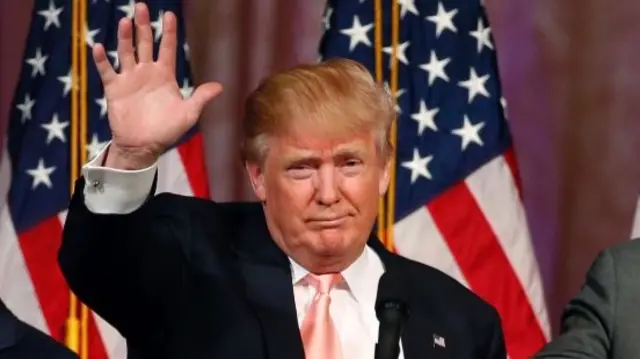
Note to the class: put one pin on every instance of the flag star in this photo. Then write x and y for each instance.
(483, 36)
(418, 166)
(443, 20)
(26, 107)
(51, 15)
(114, 56)
(67, 81)
(475, 85)
(41, 175)
(425, 117)
(55, 129)
(37, 62)
(401, 52)
(469, 133)
(129, 9)
(185, 48)
(102, 102)
(396, 95)
(435, 68)
(90, 34)
(503, 103)
(95, 146)
(327, 18)
(357, 33)
(408, 5)
(157, 26)
(186, 90)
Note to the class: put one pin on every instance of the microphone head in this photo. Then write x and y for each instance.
(392, 295)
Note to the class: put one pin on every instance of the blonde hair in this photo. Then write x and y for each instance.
(335, 97)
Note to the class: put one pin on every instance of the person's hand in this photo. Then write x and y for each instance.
(145, 107)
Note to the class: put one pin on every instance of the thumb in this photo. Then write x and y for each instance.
(201, 96)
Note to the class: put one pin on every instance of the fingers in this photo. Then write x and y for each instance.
(125, 45)
(203, 94)
(167, 52)
(144, 34)
(105, 70)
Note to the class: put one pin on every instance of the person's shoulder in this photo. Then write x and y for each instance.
(205, 207)
(625, 247)
(623, 253)
(431, 282)
(35, 344)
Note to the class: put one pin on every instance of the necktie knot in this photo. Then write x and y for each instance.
(324, 283)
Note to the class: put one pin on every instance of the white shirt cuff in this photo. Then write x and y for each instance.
(113, 191)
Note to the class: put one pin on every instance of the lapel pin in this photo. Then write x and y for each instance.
(438, 341)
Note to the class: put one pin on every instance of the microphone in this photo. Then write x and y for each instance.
(392, 311)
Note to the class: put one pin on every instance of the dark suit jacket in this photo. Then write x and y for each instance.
(603, 319)
(189, 278)
(18, 340)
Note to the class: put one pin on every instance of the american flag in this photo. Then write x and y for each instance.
(458, 203)
(37, 160)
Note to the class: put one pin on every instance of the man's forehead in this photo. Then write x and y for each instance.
(317, 145)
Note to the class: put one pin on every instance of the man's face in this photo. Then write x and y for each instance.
(321, 195)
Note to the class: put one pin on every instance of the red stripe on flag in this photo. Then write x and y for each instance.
(192, 156)
(486, 268)
(96, 348)
(39, 246)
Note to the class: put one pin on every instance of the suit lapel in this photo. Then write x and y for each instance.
(422, 337)
(267, 280)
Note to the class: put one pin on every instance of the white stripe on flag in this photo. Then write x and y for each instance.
(172, 175)
(417, 237)
(496, 193)
(16, 287)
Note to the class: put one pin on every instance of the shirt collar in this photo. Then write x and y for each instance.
(355, 275)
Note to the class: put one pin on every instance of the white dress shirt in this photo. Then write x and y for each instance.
(114, 191)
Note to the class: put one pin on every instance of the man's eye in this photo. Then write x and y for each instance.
(351, 163)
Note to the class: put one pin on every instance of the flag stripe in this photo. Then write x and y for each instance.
(418, 238)
(115, 345)
(494, 279)
(192, 156)
(16, 287)
(512, 163)
(50, 286)
(96, 345)
(494, 191)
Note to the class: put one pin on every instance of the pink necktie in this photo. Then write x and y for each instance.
(319, 336)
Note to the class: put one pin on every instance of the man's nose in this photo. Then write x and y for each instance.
(327, 186)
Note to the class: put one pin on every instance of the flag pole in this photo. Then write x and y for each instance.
(72, 327)
(83, 123)
(391, 193)
(379, 77)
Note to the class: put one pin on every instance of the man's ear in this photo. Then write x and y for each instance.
(383, 185)
(256, 176)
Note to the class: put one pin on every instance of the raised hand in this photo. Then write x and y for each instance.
(145, 106)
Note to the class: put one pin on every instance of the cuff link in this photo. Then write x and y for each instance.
(97, 186)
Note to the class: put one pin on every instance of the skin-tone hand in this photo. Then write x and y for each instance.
(146, 110)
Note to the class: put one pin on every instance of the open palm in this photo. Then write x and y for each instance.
(146, 110)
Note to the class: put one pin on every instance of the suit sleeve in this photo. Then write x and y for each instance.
(123, 257)
(588, 319)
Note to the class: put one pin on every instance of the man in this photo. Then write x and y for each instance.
(294, 276)
(602, 320)
(19, 340)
